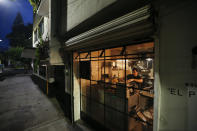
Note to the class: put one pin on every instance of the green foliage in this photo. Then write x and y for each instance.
(19, 38)
(34, 4)
(21, 34)
(15, 53)
(2, 56)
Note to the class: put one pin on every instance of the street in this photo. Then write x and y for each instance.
(24, 107)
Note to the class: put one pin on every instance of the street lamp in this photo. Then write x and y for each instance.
(1, 40)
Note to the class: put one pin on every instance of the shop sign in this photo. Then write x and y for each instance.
(191, 87)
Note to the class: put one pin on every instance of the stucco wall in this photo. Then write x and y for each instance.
(80, 10)
(177, 38)
(55, 58)
(54, 43)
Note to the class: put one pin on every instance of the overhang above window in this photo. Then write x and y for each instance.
(131, 27)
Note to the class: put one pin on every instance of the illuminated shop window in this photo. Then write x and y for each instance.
(112, 93)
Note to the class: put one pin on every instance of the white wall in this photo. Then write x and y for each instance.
(178, 31)
(45, 35)
(80, 10)
(35, 42)
(76, 90)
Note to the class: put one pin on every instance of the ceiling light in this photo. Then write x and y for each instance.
(149, 59)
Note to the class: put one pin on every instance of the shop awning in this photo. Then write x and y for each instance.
(123, 30)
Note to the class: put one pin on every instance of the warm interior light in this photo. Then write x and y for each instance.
(149, 59)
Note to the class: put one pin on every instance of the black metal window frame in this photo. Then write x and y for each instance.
(125, 57)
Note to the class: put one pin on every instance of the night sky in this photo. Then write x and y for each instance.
(8, 12)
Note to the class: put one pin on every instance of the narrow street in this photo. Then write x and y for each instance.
(24, 107)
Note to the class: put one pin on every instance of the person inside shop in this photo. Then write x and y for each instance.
(134, 79)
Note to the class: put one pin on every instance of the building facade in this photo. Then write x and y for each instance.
(101, 42)
(47, 60)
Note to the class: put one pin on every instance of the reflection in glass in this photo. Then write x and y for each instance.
(97, 112)
(85, 105)
(85, 87)
(97, 91)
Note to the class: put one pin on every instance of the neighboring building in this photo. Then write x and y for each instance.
(29, 53)
(47, 46)
(40, 36)
(100, 42)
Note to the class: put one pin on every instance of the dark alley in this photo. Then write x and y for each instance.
(25, 107)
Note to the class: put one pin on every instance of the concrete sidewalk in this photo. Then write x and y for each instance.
(24, 107)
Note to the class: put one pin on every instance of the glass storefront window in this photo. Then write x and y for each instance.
(117, 85)
(97, 70)
(84, 55)
(85, 105)
(96, 54)
(140, 81)
(113, 51)
(140, 48)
